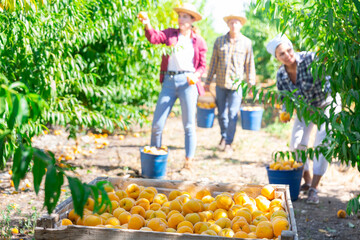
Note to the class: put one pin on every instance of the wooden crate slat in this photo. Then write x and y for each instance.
(290, 209)
(94, 233)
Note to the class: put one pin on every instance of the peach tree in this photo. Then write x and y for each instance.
(78, 64)
(331, 29)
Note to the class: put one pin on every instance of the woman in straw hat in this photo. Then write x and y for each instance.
(232, 58)
(179, 75)
(295, 76)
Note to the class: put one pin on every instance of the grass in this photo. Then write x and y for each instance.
(5, 222)
(26, 225)
(279, 130)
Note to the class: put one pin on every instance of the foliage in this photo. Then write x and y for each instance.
(28, 223)
(280, 130)
(353, 205)
(260, 30)
(331, 29)
(87, 59)
(80, 64)
(20, 109)
(20, 112)
(5, 221)
(207, 31)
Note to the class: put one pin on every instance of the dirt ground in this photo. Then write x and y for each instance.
(252, 153)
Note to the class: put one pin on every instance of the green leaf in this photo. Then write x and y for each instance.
(353, 206)
(311, 153)
(261, 96)
(330, 18)
(53, 182)
(79, 194)
(273, 99)
(3, 105)
(23, 112)
(3, 139)
(38, 170)
(357, 5)
(21, 162)
(14, 111)
(105, 200)
(20, 85)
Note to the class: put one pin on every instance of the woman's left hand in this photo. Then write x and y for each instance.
(192, 78)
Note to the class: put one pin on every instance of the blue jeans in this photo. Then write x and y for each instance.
(173, 87)
(228, 103)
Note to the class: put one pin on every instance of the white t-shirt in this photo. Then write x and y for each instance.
(182, 58)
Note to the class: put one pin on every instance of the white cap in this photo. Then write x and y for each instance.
(276, 41)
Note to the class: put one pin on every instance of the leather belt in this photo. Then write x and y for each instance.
(174, 72)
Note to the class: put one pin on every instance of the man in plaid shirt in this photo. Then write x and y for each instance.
(295, 74)
(231, 59)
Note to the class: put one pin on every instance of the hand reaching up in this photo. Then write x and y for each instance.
(143, 17)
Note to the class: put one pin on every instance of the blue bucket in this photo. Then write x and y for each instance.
(205, 117)
(289, 177)
(251, 120)
(153, 166)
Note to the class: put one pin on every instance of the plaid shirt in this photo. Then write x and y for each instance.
(230, 61)
(311, 90)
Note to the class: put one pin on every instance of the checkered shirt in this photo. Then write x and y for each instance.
(230, 61)
(312, 91)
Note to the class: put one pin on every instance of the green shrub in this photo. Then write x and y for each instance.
(79, 64)
(329, 28)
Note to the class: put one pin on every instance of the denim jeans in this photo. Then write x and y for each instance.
(228, 103)
(173, 87)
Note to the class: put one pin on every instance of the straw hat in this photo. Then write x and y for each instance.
(242, 19)
(189, 9)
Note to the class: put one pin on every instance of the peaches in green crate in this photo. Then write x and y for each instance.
(163, 150)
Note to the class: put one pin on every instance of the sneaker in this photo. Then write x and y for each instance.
(222, 144)
(228, 149)
(313, 197)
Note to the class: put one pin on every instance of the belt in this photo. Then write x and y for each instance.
(174, 72)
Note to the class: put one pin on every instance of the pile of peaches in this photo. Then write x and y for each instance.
(227, 214)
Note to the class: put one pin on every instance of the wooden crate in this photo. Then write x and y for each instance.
(47, 225)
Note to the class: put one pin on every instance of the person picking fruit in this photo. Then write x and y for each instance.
(295, 74)
(179, 75)
(232, 58)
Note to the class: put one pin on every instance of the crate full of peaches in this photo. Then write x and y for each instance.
(226, 214)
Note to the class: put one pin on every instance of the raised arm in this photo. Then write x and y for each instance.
(154, 36)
